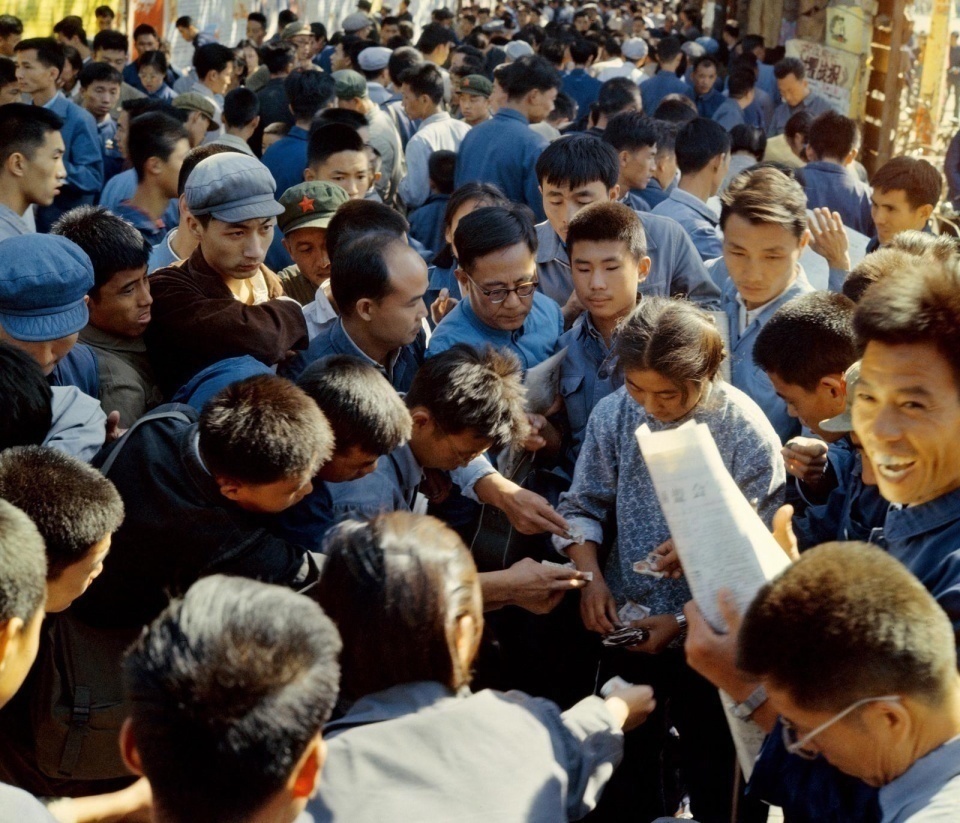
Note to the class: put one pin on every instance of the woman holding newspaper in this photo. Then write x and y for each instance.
(670, 353)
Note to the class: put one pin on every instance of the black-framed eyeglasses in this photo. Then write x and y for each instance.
(497, 296)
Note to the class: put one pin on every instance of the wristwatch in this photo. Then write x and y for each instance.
(745, 710)
(681, 619)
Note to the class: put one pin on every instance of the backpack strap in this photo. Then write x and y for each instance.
(170, 414)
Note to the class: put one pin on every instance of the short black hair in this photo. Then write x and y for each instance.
(10, 25)
(184, 21)
(470, 390)
(676, 108)
(527, 74)
(345, 117)
(833, 136)
(788, 66)
(49, 51)
(576, 160)
(195, 156)
(112, 243)
(356, 218)
(72, 56)
(263, 429)
(240, 107)
(424, 78)
(492, 228)
(441, 167)
(741, 82)
(27, 399)
(434, 35)
(8, 71)
(698, 143)
(807, 339)
(798, 123)
(24, 129)
(847, 622)
(257, 17)
(748, 138)
(23, 566)
(919, 303)
(564, 108)
(918, 179)
(153, 134)
(308, 92)
(608, 220)
(104, 11)
(359, 268)
(277, 57)
(361, 405)
(706, 60)
(631, 131)
(72, 505)
(110, 40)
(285, 17)
(667, 49)
(616, 95)
(752, 41)
(227, 688)
(145, 28)
(212, 57)
(98, 73)
(402, 59)
(331, 139)
(71, 26)
(581, 50)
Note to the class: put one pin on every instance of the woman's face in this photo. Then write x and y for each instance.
(251, 58)
(660, 397)
(151, 78)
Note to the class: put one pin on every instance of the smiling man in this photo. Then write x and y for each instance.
(31, 163)
(216, 304)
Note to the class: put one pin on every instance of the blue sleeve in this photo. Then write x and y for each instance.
(83, 159)
(707, 241)
(691, 277)
(415, 186)
(836, 278)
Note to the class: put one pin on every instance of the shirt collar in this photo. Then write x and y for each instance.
(512, 114)
(342, 340)
(54, 101)
(915, 521)
(489, 331)
(695, 203)
(439, 117)
(389, 704)
(112, 342)
(922, 780)
(550, 247)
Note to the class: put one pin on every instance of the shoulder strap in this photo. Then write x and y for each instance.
(172, 414)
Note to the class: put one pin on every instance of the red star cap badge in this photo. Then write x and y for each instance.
(306, 205)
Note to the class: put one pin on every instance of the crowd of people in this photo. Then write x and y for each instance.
(322, 361)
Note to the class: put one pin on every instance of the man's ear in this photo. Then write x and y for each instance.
(624, 158)
(10, 631)
(643, 268)
(835, 384)
(252, 125)
(461, 276)
(309, 174)
(153, 166)
(194, 225)
(362, 308)
(128, 748)
(15, 164)
(925, 211)
(422, 419)
(614, 193)
(229, 487)
(305, 776)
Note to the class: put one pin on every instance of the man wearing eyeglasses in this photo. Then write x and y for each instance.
(870, 680)
(498, 278)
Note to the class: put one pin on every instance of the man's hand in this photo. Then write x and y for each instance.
(631, 705)
(712, 654)
(783, 532)
(663, 630)
(828, 238)
(806, 459)
(598, 609)
(114, 432)
(442, 306)
(274, 285)
(664, 559)
(527, 511)
(538, 588)
(535, 441)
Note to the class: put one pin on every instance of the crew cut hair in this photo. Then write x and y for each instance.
(23, 566)
(631, 131)
(466, 390)
(698, 143)
(919, 303)
(24, 129)
(807, 339)
(227, 688)
(608, 220)
(263, 429)
(364, 409)
(576, 160)
(111, 242)
(72, 505)
(846, 622)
